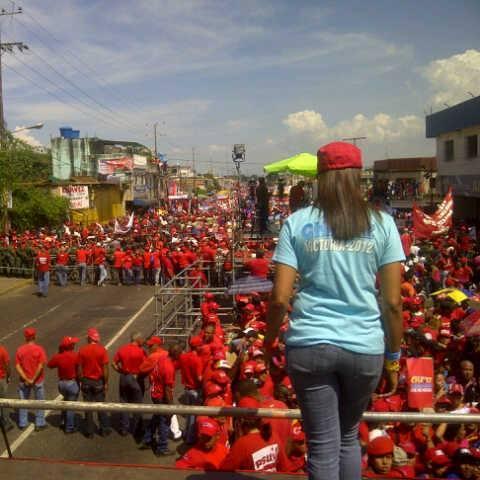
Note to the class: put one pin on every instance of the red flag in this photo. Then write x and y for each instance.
(427, 226)
(420, 382)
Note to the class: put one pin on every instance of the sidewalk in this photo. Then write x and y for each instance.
(9, 284)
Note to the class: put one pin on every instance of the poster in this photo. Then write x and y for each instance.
(77, 195)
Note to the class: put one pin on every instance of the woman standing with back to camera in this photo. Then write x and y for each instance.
(337, 342)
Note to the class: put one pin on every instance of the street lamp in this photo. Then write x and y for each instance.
(36, 126)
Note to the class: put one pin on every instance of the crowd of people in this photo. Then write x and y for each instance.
(220, 367)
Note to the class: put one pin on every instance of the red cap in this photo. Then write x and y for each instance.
(337, 156)
(214, 306)
(408, 447)
(248, 402)
(298, 435)
(248, 367)
(29, 332)
(220, 377)
(207, 426)
(68, 341)
(196, 341)
(456, 389)
(154, 341)
(92, 334)
(260, 368)
(437, 456)
(215, 402)
(382, 445)
(219, 355)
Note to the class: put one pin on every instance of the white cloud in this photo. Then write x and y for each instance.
(25, 136)
(379, 128)
(452, 78)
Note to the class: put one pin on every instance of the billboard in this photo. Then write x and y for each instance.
(110, 166)
(77, 195)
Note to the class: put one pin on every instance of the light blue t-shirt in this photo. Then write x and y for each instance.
(336, 301)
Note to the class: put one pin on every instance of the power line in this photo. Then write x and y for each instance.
(104, 83)
(70, 64)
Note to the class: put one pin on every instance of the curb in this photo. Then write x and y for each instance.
(17, 284)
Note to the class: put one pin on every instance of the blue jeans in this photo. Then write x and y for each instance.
(158, 424)
(193, 397)
(137, 275)
(24, 392)
(102, 273)
(62, 275)
(127, 276)
(69, 389)
(82, 269)
(130, 392)
(333, 387)
(94, 391)
(43, 282)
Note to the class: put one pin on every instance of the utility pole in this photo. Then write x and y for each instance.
(7, 48)
(155, 139)
(353, 139)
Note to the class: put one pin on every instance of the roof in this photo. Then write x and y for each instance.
(408, 164)
(458, 117)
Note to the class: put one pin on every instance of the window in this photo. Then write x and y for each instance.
(449, 150)
(472, 146)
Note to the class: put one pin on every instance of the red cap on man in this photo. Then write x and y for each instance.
(29, 333)
(92, 334)
(68, 341)
(207, 426)
(380, 446)
(154, 341)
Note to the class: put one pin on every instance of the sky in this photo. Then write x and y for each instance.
(280, 76)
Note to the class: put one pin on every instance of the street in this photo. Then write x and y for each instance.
(115, 312)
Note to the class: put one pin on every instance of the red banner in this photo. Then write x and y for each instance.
(420, 382)
(427, 226)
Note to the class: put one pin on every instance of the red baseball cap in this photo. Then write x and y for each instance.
(29, 332)
(67, 341)
(379, 446)
(92, 334)
(298, 435)
(437, 456)
(154, 341)
(196, 341)
(207, 426)
(215, 402)
(220, 377)
(248, 367)
(260, 368)
(337, 156)
(212, 389)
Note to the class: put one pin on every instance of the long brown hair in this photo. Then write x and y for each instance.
(341, 200)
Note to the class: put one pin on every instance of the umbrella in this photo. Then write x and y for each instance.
(453, 293)
(250, 284)
(277, 167)
(303, 164)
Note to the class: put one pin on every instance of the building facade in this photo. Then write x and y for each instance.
(457, 133)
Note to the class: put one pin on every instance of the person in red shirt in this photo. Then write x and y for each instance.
(162, 381)
(127, 268)
(255, 448)
(66, 361)
(127, 363)
(118, 259)
(258, 266)
(208, 452)
(137, 267)
(99, 260)
(30, 360)
(296, 450)
(81, 258)
(42, 267)
(147, 267)
(5, 375)
(191, 369)
(93, 374)
(61, 266)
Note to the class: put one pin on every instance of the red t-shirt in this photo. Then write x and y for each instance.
(130, 357)
(162, 376)
(281, 427)
(4, 361)
(252, 452)
(66, 364)
(258, 267)
(205, 460)
(149, 363)
(266, 390)
(81, 255)
(62, 258)
(42, 261)
(29, 356)
(118, 257)
(191, 367)
(92, 357)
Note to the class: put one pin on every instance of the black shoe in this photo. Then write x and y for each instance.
(105, 432)
(39, 428)
(164, 453)
(123, 433)
(89, 435)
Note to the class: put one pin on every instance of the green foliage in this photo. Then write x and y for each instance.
(35, 207)
(211, 183)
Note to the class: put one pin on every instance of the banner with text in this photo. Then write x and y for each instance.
(77, 195)
(427, 226)
(420, 382)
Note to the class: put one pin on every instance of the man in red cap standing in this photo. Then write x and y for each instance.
(93, 375)
(127, 363)
(65, 361)
(30, 360)
(42, 266)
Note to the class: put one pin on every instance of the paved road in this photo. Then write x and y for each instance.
(70, 311)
